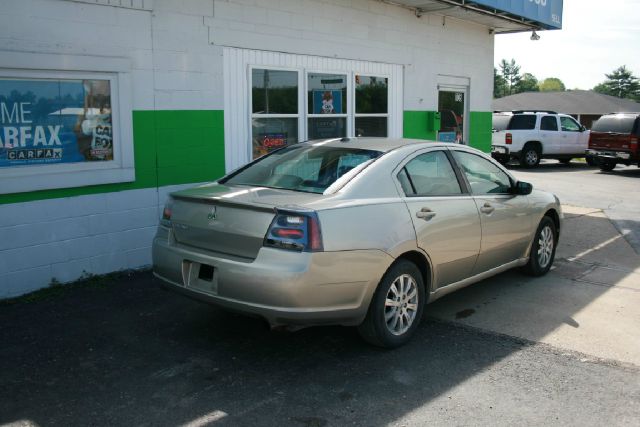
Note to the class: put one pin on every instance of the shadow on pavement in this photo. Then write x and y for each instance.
(135, 354)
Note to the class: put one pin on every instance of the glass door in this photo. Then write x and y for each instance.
(452, 108)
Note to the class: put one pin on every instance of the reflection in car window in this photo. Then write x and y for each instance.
(549, 123)
(429, 174)
(569, 125)
(483, 176)
(301, 167)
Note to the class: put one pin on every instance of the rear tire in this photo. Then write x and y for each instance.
(543, 248)
(396, 308)
(530, 155)
(607, 165)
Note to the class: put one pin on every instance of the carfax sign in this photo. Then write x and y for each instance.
(548, 13)
(45, 121)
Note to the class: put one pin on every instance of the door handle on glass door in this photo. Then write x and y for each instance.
(487, 208)
(426, 214)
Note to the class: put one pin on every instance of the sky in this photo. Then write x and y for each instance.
(597, 36)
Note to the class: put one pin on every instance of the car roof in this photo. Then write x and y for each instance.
(378, 144)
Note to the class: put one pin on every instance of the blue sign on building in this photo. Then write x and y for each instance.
(547, 13)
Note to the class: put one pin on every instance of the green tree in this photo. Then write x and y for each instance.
(499, 84)
(511, 75)
(621, 83)
(552, 84)
(528, 83)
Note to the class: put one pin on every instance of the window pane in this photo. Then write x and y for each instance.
(54, 121)
(274, 91)
(371, 126)
(327, 93)
(614, 123)
(569, 125)
(327, 127)
(522, 121)
(303, 167)
(371, 95)
(483, 176)
(451, 109)
(432, 175)
(270, 134)
(549, 123)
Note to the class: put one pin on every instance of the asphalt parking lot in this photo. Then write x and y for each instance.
(559, 350)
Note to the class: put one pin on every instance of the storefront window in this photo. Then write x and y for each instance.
(51, 121)
(372, 96)
(327, 105)
(274, 118)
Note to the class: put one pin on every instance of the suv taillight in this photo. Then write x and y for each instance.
(633, 141)
(298, 231)
(508, 139)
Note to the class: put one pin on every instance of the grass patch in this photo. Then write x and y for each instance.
(56, 289)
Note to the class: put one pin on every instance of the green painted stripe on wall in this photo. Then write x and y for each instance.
(480, 124)
(170, 147)
(420, 125)
(424, 125)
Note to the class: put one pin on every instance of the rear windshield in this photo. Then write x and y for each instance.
(500, 122)
(522, 121)
(302, 167)
(615, 124)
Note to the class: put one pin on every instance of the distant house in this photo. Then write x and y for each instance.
(585, 105)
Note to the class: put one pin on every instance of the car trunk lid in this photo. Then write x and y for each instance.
(231, 220)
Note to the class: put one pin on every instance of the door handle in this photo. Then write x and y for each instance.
(425, 213)
(487, 208)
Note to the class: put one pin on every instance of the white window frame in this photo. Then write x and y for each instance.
(18, 65)
(356, 114)
(347, 115)
(253, 115)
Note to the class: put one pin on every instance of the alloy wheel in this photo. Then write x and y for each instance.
(401, 304)
(545, 246)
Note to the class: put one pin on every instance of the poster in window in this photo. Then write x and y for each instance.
(51, 121)
(327, 101)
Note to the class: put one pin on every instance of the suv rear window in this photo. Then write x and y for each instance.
(301, 167)
(615, 123)
(522, 121)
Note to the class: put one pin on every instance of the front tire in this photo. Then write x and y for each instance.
(396, 308)
(543, 248)
(530, 156)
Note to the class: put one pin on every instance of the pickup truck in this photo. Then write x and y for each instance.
(529, 136)
(614, 139)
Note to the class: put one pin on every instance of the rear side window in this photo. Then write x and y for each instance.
(549, 123)
(522, 121)
(429, 174)
(616, 124)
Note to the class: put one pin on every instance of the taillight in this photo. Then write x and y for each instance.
(633, 141)
(508, 139)
(166, 213)
(298, 231)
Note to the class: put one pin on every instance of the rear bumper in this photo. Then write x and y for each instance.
(284, 287)
(500, 153)
(609, 154)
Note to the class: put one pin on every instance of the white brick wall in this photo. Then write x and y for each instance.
(68, 237)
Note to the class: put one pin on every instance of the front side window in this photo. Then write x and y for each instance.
(484, 177)
(429, 174)
(274, 114)
(54, 121)
(327, 105)
(302, 167)
(569, 125)
(372, 109)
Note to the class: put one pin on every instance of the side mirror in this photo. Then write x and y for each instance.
(522, 188)
(582, 128)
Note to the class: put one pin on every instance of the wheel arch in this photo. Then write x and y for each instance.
(555, 217)
(538, 144)
(422, 262)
